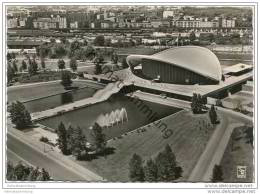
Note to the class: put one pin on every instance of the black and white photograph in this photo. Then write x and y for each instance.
(144, 93)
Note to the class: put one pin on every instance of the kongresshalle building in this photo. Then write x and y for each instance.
(182, 65)
(182, 71)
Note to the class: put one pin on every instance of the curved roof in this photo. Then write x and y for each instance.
(193, 58)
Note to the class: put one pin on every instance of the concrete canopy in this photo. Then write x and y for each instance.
(199, 60)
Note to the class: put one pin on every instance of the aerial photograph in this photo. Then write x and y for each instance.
(129, 93)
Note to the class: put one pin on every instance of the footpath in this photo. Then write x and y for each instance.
(99, 96)
(54, 155)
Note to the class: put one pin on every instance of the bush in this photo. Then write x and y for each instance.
(44, 139)
(19, 115)
(66, 79)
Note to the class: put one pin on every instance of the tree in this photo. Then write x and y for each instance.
(124, 63)
(52, 40)
(19, 115)
(78, 142)
(20, 69)
(192, 36)
(43, 176)
(10, 174)
(168, 171)
(85, 42)
(43, 63)
(20, 172)
(63, 40)
(223, 78)
(217, 175)
(136, 171)
(114, 58)
(89, 52)
(15, 68)
(99, 58)
(150, 171)
(34, 174)
(66, 79)
(33, 67)
(213, 115)
(74, 46)
(8, 56)
(99, 137)
(24, 65)
(98, 69)
(196, 103)
(99, 40)
(73, 64)
(61, 64)
(62, 139)
(69, 138)
(10, 73)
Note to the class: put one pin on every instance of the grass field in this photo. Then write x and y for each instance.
(36, 91)
(190, 136)
(53, 63)
(239, 152)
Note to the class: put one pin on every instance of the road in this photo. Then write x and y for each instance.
(17, 149)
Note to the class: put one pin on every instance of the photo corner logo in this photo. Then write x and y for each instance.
(241, 172)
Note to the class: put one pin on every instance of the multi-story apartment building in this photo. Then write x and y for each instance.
(12, 23)
(168, 13)
(74, 25)
(62, 21)
(50, 23)
(44, 23)
(186, 23)
(228, 23)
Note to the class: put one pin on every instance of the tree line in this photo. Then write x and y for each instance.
(21, 172)
(164, 168)
(73, 141)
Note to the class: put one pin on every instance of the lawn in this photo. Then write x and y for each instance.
(53, 63)
(26, 93)
(188, 140)
(136, 50)
(237, 56)
(239, 152)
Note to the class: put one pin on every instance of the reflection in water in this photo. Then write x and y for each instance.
(66, 98)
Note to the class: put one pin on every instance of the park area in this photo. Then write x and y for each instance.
(44, 96)
(239, 152)
(34, 91)
(188, 140)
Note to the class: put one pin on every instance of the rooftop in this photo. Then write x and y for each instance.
(237, 68)
(193, 58)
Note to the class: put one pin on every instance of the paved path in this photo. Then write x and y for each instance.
(165, 101)
(18, 149)
(40, 154)
(99, 96)
(217, 144)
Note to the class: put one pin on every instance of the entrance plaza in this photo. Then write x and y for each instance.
(183, 91)
(179, 72)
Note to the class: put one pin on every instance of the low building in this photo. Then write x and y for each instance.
(74, 25)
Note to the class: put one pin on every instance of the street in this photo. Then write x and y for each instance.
(57, 171)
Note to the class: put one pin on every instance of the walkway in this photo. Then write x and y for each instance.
(99, 96)
(216, 146)
(40, 154)
(158, 99)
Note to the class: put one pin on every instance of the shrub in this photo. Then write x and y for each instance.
(44, 139)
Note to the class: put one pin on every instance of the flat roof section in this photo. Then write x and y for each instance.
(185, 90)
(237, 68)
